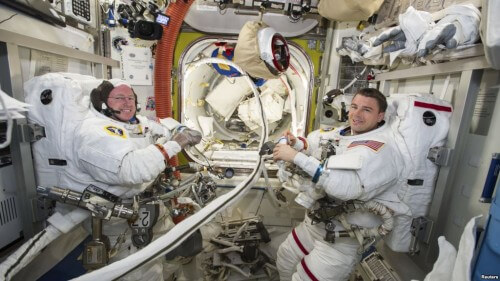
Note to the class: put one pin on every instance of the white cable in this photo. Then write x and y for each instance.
(240, 230)
(235, 268)
(9, 125)
(270, 189)
(293, 105)
(27, 252)
(354, 80)
(174, 237)
(445, 87)
(31, 248)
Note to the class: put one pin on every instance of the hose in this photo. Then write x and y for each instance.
(176, 10)
(31, 248)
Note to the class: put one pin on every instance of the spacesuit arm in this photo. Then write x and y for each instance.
(162, 127)
(307, 163)
(341, 184)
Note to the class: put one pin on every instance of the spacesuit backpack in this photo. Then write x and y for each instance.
(420, 122)
(59, 104)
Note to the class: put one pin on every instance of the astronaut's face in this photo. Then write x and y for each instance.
(122, 99)
(364, 114)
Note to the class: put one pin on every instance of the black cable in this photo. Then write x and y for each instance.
(261, 199)
(8, 18)
(206, 159)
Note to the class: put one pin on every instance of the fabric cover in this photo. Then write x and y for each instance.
(247, 52)
(60, 118)
(444, 263)
(348, 10)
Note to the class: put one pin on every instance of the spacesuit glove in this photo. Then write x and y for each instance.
(441, 34)
(187, 137)
(356, 45)
(283, 174)
(395, 35)
(459, 27)
(309, 197)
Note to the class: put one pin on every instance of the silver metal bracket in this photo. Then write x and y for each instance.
(42, 208)
(31, 132)
(420, 232)
(439, 155)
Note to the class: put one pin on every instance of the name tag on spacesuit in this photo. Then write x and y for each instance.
(345, 162)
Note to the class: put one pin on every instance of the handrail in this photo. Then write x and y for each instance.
(435, 69)
(41, 45)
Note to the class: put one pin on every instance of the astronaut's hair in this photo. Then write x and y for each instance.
(376, 94)
(100, 95)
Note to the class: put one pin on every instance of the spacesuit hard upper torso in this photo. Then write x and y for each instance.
(100, 145)
(380, 172)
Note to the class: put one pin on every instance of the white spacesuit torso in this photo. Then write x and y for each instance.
(376, 179)
(100, 154)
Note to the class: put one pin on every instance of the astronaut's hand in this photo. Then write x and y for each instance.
(187, 137)
(395, 35)
(284, 152)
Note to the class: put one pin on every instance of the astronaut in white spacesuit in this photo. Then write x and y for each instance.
(305, 255)
(123, 153)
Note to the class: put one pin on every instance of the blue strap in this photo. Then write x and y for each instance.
(318, 172)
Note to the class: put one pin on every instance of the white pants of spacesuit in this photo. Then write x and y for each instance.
(304, 255)
(151, 271)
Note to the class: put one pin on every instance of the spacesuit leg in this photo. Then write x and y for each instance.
(328, 261)
(297, 244)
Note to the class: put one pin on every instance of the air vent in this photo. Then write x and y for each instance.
(8, 210)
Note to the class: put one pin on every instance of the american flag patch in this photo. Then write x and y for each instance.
(371, 144)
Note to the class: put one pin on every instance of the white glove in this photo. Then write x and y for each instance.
(309, 197)
(283, 174)
(405, 37)
(395, 35)
(459, 27)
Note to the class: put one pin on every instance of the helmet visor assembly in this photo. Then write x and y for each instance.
(281, 55)
(273, 50)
